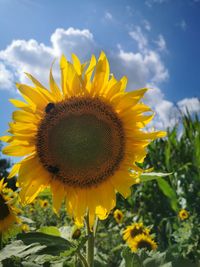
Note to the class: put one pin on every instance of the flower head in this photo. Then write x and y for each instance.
(44, 203)
(8, 209)
(118, 215)
(133, 230)
(183, 214)
(83, 141)
(25, 228)
(143, 241)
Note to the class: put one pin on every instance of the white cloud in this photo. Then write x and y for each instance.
(139, 37)
(140, 68)
(36, 58)
(108, 16)
(166, 113)
(6, 78)
(147, 25)
(192, 105)
(161, 43)
(143, 67)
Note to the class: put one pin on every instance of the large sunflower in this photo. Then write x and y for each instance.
(83, 141)
(8, 210)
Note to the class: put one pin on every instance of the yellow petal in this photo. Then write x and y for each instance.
(89, 71)
(54, 87)
(29, 172)
(77, 64)
(23, 128)
(101, 75)
(14, 170)
(5, 138)
(20, 104)
(18, 150)
(35, 81)
(24, 116)
(33, 96)
(122, 181)
(58, 194)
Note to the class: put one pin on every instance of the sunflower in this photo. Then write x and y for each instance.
(25, 228)
(83, 141)
(8, 210)
(133, 230)
(118, 215)
(143, 242)
(183, 214)
(44, 203)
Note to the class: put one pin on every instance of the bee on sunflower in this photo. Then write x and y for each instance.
(134, 230)
(8, 208)
(183, 214)
(143, 241)
(83, 141)
(118, 216)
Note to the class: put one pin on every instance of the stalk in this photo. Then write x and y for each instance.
(90, 243)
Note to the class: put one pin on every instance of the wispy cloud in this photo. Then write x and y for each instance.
(108, 16)
(147, 25)
(182, 24)
(150, 3)
(161, 43)
(139, 37)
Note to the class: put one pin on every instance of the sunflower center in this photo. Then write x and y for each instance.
(136, 231)
(3, 208)
(81, 141)
(144, 244)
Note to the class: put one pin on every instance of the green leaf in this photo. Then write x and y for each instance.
(50, 230)
(148, 176)
(54, 245)
(19, 249)
(169, 192)
(130, 259)
(156, 259)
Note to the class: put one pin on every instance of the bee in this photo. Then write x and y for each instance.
(49, 107)
(53, 169)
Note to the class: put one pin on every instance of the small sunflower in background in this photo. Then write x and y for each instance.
(25, 228)
(118, 215)
(133, 230)
(44, 203)
(31, 210)
(183, 214)
(84, 141)
(143, 241)
(8, 208)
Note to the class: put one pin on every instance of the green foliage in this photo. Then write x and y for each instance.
(39, 249)
(157, 202)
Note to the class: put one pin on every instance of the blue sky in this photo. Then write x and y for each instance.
(154, 42)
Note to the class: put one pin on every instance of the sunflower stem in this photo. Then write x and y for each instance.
(83, 260)
(90, 243)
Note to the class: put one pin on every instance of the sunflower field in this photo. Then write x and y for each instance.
(94, 186)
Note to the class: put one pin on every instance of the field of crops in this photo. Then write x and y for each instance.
(161, 216)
